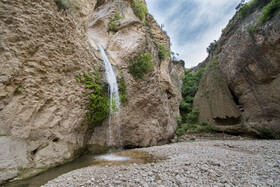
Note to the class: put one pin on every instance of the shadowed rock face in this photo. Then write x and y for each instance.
(42, 105)
(249, 66)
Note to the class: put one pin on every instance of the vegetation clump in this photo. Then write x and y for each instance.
(163, 51)
(140, 9)
(114, 22)
(212, 46)
(123, 91)
(99, 101)
(189, 89)
(19, 89)
(141, 65)
(265, 133)
(248, 8)
(270, 10)
(62, 4)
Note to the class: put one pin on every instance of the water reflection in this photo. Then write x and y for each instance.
(119, 158)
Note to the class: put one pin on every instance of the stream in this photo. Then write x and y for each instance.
(117, 158)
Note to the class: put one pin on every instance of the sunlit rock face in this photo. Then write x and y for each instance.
(42, 106)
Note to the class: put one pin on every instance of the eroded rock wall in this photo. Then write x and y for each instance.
(153, 102)
(42, 50)
(42, 106)
(249, 66)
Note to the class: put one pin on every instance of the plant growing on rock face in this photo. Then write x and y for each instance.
(248, 8)
(62, 4)
(99, 101)
(252, 29)
(19, 90)
(212, 46)
(140, 9)
(114, 22)
(141, 65)
(270, 10)
(163, 51)
(123, 91)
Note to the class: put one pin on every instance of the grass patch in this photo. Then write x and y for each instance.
(139, 9)
(98, 100)
(141, 65)
(114, 22)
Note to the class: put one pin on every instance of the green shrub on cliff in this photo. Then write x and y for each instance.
(270, 10)
(163, 51)
(250, 7)
(99, 101)
(140, 10)
(123, 91)
(141, 65)
(62, 4)
(114, 22)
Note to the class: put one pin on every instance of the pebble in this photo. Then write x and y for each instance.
(199, 163)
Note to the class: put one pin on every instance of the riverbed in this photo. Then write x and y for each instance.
(199, 163)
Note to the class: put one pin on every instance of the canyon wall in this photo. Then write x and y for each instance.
(42, 106)
(239, 93)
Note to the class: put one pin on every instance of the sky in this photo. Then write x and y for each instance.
(192, 24)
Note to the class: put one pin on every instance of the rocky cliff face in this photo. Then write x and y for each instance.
(247, 76)
(42, 105)
(153, 102)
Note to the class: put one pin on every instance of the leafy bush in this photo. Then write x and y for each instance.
(250, 7)
(189, 89)
(192, 117)
(122, 91)
(212, 46)
(180, 131)
(270, 10)
(163, 51)
(99, 101)
(114, 23)
(140, 10)
(141, 65)
(62, 4)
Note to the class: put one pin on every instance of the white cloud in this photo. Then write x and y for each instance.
(204, 22)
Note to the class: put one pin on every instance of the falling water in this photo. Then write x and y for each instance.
(114, 98)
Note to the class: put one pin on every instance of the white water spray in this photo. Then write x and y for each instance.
(114, 98)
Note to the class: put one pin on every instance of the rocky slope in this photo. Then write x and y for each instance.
(42, 106)
(240, 92)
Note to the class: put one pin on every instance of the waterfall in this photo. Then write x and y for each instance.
(114, 99)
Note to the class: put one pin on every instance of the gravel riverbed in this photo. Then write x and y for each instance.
(198, 163)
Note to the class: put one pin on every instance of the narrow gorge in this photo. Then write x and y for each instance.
(88, 77)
